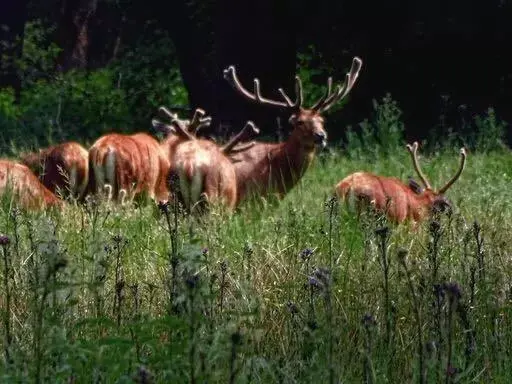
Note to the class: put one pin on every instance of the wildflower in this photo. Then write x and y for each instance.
(117, 239)
(402, 254)
(306, 254)
(434, 227)
(4, 240)
(453, 291)
(382, 232)
(163, 206)
(368, 320)
(292, 308)
(236, 338)
(223, 266)
(320, 279)
(60, 263)
(143, 376)
(248, 249)
(192, 281)
(205, 251)
(452, 371)
(438, 291)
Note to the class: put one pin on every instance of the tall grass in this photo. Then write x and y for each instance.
(292, 292)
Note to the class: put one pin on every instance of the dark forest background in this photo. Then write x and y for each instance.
(78, 68)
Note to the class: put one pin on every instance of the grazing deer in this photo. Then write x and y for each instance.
(128, 166)
(25, 187)
(267, 168)
(61, 168)
(398, 201)
(204, 171)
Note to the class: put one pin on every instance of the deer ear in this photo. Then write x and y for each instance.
(415, 187)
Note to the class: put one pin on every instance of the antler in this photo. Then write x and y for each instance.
(198, 121)
(413, 151)
(463, 156)
(248, 130)
(188, 128)
(231, 77)
(329, 99)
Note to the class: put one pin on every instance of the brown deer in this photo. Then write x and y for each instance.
(62, 168)
(128, 166)
(203, 169)
(25, 187)
(391, 196)
(267, 168)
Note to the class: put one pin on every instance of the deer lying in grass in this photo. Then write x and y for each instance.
(128, 166)
(203, 169)
(62, 168)
(391, 196)
(25, 187)
(267, 168)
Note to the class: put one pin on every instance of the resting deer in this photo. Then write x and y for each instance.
(267, 168)
(128, 166)
(391, 196)
(62, 168)
(204, 170)
(25, 187)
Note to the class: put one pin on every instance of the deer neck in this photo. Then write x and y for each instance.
(289, 163)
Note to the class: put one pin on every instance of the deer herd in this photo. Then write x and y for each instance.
(198, 172)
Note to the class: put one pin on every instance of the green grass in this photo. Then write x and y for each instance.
(107, 294)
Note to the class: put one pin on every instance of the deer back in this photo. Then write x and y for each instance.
(26, 188)
(62, 167)
(133, 163)
(204, 170)
(387, 195)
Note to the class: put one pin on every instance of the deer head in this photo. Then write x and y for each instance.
(307, 123)
(439, 202)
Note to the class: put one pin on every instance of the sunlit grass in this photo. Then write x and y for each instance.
(257, 310)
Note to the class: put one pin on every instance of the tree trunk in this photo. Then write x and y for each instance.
(73, 33)
(12, 26)
(257, 37)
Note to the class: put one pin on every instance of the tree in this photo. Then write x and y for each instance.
(12, 25)
(258, 37)
(73, 32)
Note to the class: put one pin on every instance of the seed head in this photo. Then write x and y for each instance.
(306, 254)
(4, 240)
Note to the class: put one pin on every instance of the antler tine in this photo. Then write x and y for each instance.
(463, 156)
(181, 128)
(343, 91)
(413, 149)
(248, 130)
(231, 77)
(198, 121)
(169, 114)
(327, 94)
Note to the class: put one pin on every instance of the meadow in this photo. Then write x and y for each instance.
(296, 291)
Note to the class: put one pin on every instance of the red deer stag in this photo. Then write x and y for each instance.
(25, 187)
(204, 170)
(267, 168)
(128, 166)
(62, 168)
(398, 201)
